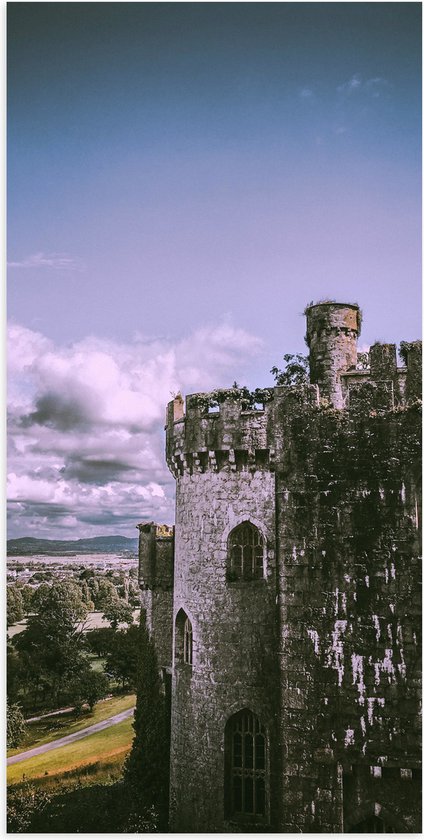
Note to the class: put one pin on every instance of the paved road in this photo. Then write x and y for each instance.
(60, 711)
(68, 739)
(50, 714)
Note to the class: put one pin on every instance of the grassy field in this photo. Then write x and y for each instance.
(57, 726)
(108, 746)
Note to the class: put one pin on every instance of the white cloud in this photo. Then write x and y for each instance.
(372, 87)
(86, 441)
(306, 93)
(61, 262)
(352, 84)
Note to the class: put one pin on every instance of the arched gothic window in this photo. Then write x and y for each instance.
(245, 553)
(246, 768)
(183, 639)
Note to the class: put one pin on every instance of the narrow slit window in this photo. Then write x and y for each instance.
(188, 642)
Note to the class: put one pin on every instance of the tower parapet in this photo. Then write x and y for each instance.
(331, 334)
(156, 556)
(219, 432)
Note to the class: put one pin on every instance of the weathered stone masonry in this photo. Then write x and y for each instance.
(323, 644)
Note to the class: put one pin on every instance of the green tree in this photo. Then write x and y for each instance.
(146, 770)
(122, 660)
(86, 594)
(133, 594)
(46, 575)
(296, 371)
(15, 672)
(100, 640)
(93, 585)
(88, 687)
(27, 593)
(39, 595)
(118, 612)
(52, 644)
(16, 729)
(86, 574)
(105, 594)
(15, 605)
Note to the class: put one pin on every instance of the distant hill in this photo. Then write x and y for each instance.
(92, 545)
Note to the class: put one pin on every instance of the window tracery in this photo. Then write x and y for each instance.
(245, 553)
(246, 761)
(183, 639)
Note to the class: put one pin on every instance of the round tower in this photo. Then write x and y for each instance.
(332, 330)
(225, 682)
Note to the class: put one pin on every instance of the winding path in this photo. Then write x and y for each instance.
(75, 736)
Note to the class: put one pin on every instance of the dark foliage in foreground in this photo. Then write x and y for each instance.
(93, 809)
(16, 729)
(146, 770)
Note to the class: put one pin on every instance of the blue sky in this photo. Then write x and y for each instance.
(182, 180)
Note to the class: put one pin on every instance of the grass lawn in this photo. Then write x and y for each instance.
(95, 620)
(16, 628)
(100, 747)
(57, 726)
(97, 663)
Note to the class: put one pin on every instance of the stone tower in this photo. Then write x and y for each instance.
(285, 610)
(332, 330)
(224, 608)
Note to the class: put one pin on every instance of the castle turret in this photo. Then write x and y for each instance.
(225, 678)
(331, 335)
(156, 580)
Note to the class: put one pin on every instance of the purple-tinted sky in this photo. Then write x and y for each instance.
(182, 180)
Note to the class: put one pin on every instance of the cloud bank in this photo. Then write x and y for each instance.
(86, 441)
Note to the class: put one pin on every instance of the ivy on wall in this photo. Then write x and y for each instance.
(248, 400)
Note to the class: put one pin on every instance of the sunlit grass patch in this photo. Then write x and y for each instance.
(107, 771)
(58, 726)
(95, 748)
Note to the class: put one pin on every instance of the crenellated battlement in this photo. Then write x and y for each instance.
(235, 430)
(219, 431)
(383, 382)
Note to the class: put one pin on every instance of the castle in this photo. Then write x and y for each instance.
(285, 607)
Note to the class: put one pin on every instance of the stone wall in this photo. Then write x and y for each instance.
(348, 497)
(156, 579)
(234, 664)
